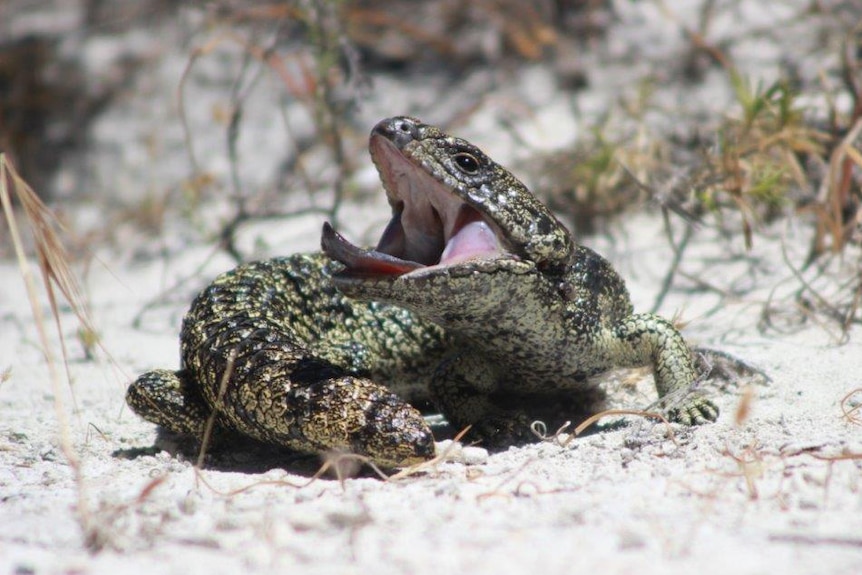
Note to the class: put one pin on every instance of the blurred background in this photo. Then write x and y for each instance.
(130, 116)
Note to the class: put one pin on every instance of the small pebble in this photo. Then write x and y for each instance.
(458, 453)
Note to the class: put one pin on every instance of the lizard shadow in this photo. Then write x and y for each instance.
(234, 453)
(228, 452)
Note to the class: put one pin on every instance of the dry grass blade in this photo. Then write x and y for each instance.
(593, 419)
(743, 409)
(751, 468)
(56, 274)
(431, 463)
(834, 192)
(50, 252)
(211, 420)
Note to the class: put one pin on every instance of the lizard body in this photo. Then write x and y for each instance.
(476, 298)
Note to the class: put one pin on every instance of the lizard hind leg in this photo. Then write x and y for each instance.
(170, 399)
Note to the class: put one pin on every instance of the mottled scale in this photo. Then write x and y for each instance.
(287, 359)
(317, 354)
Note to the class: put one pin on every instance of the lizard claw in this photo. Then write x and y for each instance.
(693, 410)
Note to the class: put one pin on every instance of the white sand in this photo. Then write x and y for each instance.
(761, 498)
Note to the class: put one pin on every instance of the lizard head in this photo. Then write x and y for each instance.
(453, 210)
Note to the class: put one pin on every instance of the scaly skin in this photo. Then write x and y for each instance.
(314, 354)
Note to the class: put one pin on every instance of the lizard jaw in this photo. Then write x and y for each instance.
(430, 226)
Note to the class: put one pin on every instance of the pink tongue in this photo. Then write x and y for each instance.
(473, 240)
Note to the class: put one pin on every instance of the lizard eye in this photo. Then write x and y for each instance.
(467, 163)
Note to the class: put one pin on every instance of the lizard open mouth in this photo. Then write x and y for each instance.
(431, 225)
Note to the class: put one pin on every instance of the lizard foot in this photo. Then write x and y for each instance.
(170, 399)
(693, 409)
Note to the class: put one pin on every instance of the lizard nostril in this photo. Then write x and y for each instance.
(399, 130)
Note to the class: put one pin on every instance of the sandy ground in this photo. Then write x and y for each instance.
(770, 495)
(778, 492)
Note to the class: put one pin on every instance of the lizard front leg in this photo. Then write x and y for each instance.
(647, 339)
